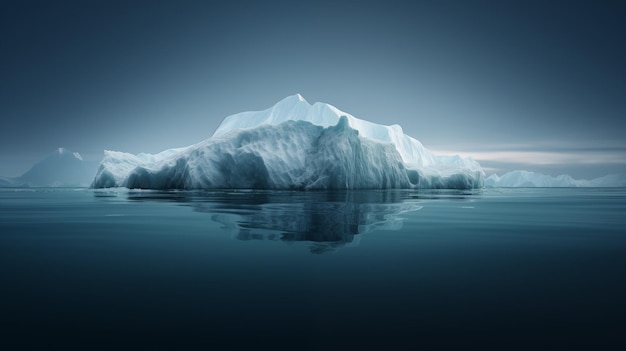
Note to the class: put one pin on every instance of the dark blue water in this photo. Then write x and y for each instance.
(505, 269)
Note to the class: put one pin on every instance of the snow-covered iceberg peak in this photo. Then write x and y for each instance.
(294, 145)
(295, 107)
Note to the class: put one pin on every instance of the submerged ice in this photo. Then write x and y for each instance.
(293, 145)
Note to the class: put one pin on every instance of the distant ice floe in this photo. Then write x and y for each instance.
(525, 179)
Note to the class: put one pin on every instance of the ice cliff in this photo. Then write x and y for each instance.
(293, 145)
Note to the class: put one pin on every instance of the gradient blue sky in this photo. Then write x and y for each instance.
(536, 85)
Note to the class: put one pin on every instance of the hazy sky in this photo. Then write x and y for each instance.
(536, 85)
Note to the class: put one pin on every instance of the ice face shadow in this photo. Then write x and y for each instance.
(325, 220)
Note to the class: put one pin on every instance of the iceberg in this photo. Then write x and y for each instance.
(293, 145)
(526, 179)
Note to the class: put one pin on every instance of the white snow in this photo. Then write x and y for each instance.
(293, 145)
(526, 179)
(296, 108)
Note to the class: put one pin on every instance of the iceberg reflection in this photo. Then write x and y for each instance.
(325, 220)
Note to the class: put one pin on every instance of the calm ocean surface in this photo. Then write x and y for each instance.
(500, 268)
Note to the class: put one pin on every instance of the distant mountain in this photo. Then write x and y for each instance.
(526, 179)
(5, 182)
(63, 168)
